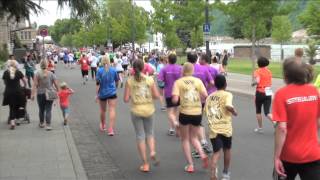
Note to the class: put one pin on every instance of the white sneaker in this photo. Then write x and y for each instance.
(226, 176)
(258, 130)
(48, 128)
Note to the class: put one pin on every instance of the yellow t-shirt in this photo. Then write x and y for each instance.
(141, 96)
(188, 89)
(219, 118)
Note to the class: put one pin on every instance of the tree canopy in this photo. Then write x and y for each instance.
(310, 18)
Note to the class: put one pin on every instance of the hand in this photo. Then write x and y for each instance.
(96, 99)
(235, 113)
(279, 167)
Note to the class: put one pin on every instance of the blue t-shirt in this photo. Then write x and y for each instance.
(107, 81)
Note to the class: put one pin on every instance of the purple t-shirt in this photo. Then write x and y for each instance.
(213, 72)
(169, 74)
(203, 74)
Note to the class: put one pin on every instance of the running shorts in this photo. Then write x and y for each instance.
(262, 100)
(221, 142)
(194, 120)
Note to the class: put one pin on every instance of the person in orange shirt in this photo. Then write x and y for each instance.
(64, 94)
(262, 81)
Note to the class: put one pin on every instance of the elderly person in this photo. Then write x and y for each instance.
(13, 93)
(44, 83)
(296, 109)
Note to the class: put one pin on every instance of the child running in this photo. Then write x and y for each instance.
(190, 90)
(141, 89)
(219, 109)
(64, 95)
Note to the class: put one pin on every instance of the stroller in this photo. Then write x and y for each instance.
(22, 113)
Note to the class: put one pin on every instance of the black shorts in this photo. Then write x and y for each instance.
(109, 97)
(194, 120)
(262, 99)
(84, 73)
(125, 67)
(170, 104)
(221, 142)
(306, 171)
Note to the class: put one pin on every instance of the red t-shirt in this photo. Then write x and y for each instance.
(147, 70)
(265, 76)
(84, 62)
(64, 97)
(299, 107)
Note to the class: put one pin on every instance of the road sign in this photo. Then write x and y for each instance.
(206, 28)
(43, 32)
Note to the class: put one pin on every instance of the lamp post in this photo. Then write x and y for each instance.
(207, 22)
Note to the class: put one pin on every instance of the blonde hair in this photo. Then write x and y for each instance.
(63, 85)
(12, 67)
(105, 61)
(43, 67)
(187, 69)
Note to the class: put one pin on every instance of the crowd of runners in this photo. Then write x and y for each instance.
(189, 93)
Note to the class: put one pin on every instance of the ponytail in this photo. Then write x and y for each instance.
(138, 66)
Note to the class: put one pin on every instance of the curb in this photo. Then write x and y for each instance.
(76, 161)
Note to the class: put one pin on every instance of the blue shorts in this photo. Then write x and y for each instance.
(65, 111)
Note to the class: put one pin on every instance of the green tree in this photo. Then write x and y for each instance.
(311, 51)
(66, 40)
(3, 53)
(310, 17)
(281, 30)
(64, 26)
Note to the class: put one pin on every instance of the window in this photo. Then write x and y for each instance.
(21, 35)
(29, 34)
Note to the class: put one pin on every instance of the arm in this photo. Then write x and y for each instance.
(256, 80)
(175, 93)
(154, 91)
(232, 110)
(34, 87)
(280, 138)
(126, 96)
(55, 83)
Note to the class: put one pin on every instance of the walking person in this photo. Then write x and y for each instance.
(94, 61)
(263, 82)
(205, 61)
(141, 91)
(190, 90)
(168, 75)
(161, 65)
(13, 94)
(51, 65)
(219, 110)
(45, 86)
(106, 93)
(215, 64)
(118, 65)
(29, 66)
(125, 63)
(225, 59)
(64, 94)
(84, 64)
(296, 110)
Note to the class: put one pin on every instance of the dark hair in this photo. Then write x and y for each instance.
(83, 55)
(172, 59)
(297, 73)
(220, 81)
(214, 59)
(192, 57)
(262, 62)
(124, 54)
(102, 53)
(11, 56)
(206, 58)
(138, 66)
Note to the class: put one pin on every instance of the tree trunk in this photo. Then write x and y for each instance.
(282, 55)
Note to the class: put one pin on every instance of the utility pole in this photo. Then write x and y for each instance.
(133, 29)
(207, 22)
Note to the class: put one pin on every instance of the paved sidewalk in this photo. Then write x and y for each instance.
(241, 84)
(29, 152)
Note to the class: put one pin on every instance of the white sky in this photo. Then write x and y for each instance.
(52, 12)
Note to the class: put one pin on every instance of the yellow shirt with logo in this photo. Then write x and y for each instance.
(219, 118)
(188, 89)
(141, 96)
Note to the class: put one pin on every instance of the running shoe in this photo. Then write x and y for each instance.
(41, 125)
(110, 132)
(195, 154)
(258, 130)
(225, 176)
(145, 168)
(206, 148)
(171, 132)
(189, 169)
(48, 128)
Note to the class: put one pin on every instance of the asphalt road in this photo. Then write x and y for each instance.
(116, 157)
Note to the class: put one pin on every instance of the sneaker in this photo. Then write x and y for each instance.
(171, 132)
(110, 132)
(41, 125)
(195, 154)
(206, 148)
(225, 176)
(189, 169)
(258, 130)
(48, 128)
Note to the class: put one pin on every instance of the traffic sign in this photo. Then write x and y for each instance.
(206, 28)
(43, 32)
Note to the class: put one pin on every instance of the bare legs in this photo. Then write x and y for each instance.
(172, 116)
(214, 160)
(112, 112)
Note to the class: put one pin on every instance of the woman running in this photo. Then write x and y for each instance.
(161, 65)
(125, 63)
(84, 63)
(263, 78)
(168, 75)
(190, 90)
(94, 61)
(215, 64)
(141, 90)
(107, 81)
